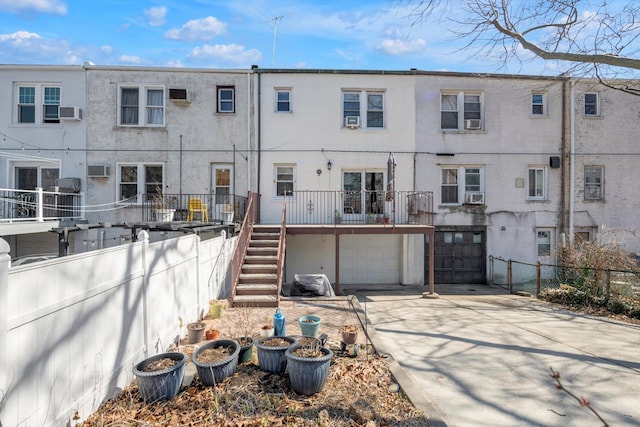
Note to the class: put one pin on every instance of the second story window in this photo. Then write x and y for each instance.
(537, 183)
(284, 180)
(537, 104)
(27, 105)
(591, 104)
(363, 109)
(461, 111)
(38, 104)
(593, 182)
(283, 100)
(459, 183)
(134, 179)
(141, 106)
(226, 100)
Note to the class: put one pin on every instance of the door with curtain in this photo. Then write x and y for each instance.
(222, 188)
(363, 194)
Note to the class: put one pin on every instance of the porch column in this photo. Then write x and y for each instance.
(337, 251)
(5, 259)
(431, 294)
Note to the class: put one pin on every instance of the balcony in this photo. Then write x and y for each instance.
(350, 208)
(209, 208)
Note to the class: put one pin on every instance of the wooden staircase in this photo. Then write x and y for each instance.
(258, 281)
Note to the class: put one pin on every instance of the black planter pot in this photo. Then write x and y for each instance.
(214, 373)
(308, 374)
(246, 350)
(160, 385)
(272, 359)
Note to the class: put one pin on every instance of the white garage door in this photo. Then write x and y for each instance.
(368, 259)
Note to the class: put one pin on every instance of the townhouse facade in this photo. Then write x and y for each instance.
(515, 164)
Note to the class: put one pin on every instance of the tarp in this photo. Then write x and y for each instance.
(311, 284)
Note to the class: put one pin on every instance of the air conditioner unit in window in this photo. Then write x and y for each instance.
(352, 122)
(179, 96)
(473, 124)
(70, 113)
(474, 198)
(98, 171)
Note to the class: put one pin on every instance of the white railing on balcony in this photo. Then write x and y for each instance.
(360, 207)
(37, 205)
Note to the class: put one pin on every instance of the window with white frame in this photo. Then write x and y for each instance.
(226, 99)
(458, 181)
(363, 108)
(283, 100)
(284, 179)
(461, 111)
(543, 240)
(537, 183)
(138, 180)
(538, 104)
(593, 180)
(141, 106)
(591, 107)
(38, 104)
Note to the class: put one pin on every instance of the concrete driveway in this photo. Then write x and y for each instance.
(478, 356)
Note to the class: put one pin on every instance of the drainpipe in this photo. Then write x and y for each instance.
(248, 137)
(572, 141)
(258, 131)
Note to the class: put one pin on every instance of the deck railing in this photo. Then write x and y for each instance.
(38, 206)
(282, 247)
(251, 217)
(360, 207)
(220, 208)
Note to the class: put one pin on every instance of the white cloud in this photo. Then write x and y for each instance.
(174, 63)
(156, 16)
(106, 49)
(230, 53)
(19, 38)
(401, 47)
(55, 7)
(130, 59)
(198, 29)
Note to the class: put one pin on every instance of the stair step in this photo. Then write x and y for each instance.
(262, 251)
(265, 236)
(261, 259)
(263, 243)
(257, 289)
(251, 278)
(255, 301)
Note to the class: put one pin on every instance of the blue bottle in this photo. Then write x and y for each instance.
(279, 324)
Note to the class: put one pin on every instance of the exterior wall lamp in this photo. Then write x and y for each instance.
(329, 165)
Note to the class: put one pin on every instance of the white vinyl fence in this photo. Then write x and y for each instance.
(72, 328)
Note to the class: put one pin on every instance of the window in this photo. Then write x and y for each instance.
(459, 180)
(544, 242)
(537, 184)
(537, 104)
(226, 100)
(32, 175)
(593, 182)
(285, 178)
(146, 112)
(591, 104)
(369, 102)
(136, 179)
(461, 111)
(283, 100)
(29, 96)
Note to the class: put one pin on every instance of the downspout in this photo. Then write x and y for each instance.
(248, 137)
(572, 140)
(259, 131)
(563, 162)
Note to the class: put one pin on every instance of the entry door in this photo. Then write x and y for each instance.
(363, 194)
(222, 186)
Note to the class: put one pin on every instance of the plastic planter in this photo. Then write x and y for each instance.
(272, 359)
(246, 350)
(160, 385)
(214, 373)
(309, 325)
(308, 374)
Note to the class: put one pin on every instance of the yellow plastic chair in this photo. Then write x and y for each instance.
(196, 206)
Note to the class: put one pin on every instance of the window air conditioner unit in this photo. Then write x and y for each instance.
(352, 122)
(70, 113)
(98, 171)
(473, 124)
(474, 198)
(179, 96)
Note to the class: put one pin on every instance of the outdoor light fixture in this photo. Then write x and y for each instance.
(329, 165)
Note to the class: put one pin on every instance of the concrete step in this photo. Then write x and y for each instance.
(253, 278)
(255, 301)
(257, 289)
(261, 259)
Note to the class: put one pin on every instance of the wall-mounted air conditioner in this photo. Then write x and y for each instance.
(98, 171)
(179, 96)
(474, 198)
(473, 124)
(352, 122)
(70, 113)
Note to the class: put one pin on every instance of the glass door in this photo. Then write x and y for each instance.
(363, 195)
(222, 188)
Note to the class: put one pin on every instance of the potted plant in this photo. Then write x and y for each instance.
(337, 217)
(349, 334)
(308, 365)
(267, 329)
(162, 206)
(309, 325)
(216, 361)
(195, 331)
(211, 334)
(227, 213)
(271, 350)
(216, 307)
(240, 326)
(160, 377)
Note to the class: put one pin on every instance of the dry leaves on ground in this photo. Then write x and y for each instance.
(358, 392)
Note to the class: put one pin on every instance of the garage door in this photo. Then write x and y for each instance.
(460, 255)
(371, 259)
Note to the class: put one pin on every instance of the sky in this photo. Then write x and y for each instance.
(327, 34)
